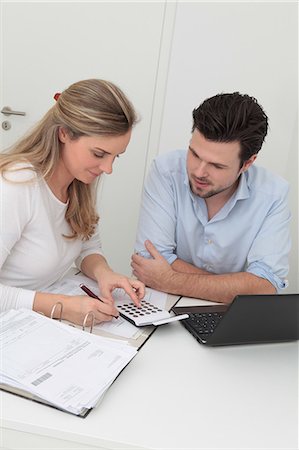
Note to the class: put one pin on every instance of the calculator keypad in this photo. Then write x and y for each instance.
(144, 315)
(146, 308)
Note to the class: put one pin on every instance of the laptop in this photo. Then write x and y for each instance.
(249, 319)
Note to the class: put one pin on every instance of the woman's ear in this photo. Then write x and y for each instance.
(62, 134)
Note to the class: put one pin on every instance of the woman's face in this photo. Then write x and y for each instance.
(88, 157)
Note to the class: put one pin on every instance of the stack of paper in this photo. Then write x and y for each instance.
(57, 364)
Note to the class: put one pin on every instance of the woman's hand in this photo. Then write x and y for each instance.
(111, 280)
(75, 308)
(96, 267)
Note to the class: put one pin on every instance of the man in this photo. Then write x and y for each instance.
(212, 224)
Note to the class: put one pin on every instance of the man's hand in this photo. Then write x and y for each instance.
(155, 272)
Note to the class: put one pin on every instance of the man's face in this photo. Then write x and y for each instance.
(214, 167)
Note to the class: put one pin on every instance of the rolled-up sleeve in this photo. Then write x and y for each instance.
(268, 255)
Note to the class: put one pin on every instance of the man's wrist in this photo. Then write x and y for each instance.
(167, 279)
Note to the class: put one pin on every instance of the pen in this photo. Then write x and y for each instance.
(91, 294)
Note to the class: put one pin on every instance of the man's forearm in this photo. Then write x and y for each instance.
(157, 273)
(182, 266)
(220, 288)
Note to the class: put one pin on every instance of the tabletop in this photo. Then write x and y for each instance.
(177, 394)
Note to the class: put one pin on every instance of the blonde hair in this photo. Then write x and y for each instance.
(87, 108)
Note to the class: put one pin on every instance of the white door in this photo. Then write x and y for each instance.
(46, 46)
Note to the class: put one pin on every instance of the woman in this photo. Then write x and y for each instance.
(48, 215)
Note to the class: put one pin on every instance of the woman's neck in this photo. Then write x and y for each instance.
(59, 183)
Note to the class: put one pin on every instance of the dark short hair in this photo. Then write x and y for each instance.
(232, 117)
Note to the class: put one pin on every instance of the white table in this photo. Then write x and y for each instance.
(176, 394)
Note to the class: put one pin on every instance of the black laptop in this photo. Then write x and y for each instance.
(249, 319)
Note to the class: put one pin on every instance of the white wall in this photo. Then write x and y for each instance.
(247, 47)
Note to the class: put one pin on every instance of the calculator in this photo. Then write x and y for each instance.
(147, 314)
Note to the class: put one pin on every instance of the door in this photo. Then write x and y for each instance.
(47, 46)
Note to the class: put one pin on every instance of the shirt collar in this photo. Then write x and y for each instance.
(242, 191)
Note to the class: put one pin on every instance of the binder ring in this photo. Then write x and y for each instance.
(92, 320)
(53, 311)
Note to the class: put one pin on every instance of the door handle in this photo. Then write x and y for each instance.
(7, 111)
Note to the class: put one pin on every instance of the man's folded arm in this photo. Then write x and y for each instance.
(220, 288)
(157, 273)
(182, 266)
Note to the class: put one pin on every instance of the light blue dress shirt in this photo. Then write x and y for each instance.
(250, 233)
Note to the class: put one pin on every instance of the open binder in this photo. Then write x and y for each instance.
(60, 366)
(30, 336)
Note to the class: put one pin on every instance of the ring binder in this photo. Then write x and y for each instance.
(90, 313)
(92, 320)
(121, 329)
(86, 317)
(53, 311)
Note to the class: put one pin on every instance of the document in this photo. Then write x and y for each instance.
(58, 364)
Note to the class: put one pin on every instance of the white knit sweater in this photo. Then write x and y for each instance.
(33, 252)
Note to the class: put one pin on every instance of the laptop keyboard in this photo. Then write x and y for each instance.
(204, 323)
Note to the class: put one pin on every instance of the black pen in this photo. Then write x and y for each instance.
(91, 294)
